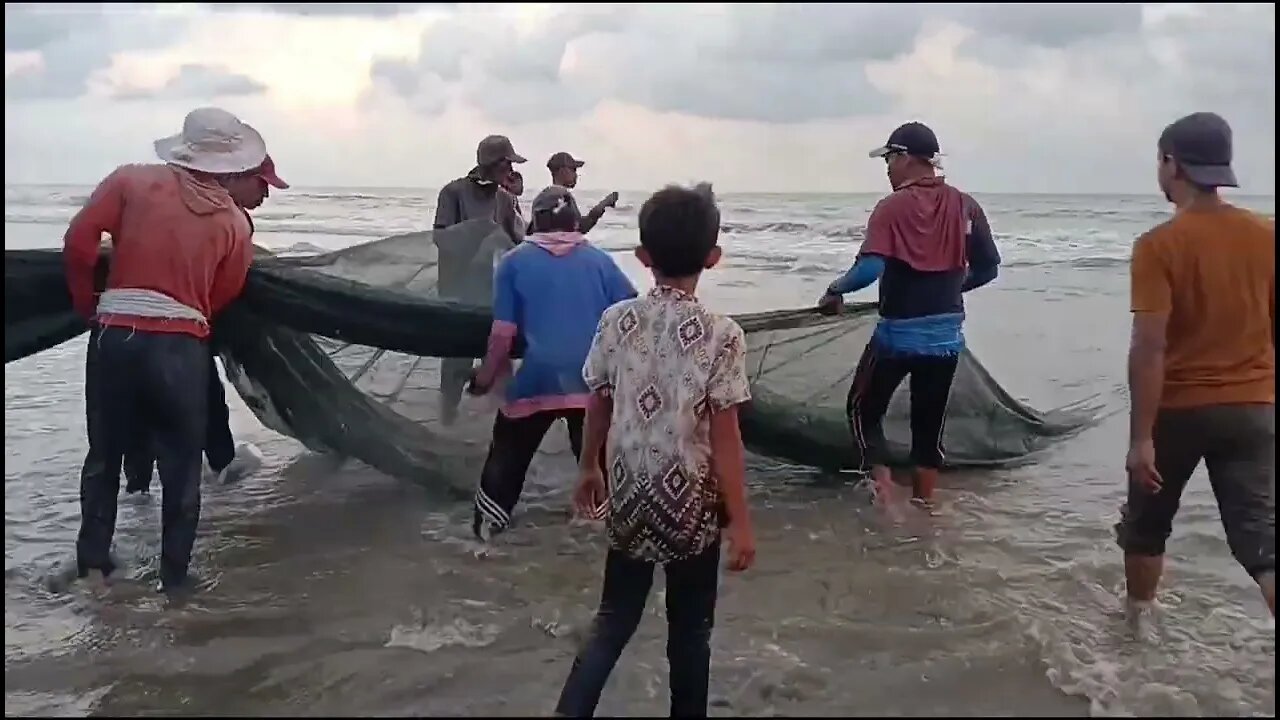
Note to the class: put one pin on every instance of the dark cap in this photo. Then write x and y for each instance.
(563, 160)
(1201, 145)
(913, 139)
(554, 199)
(496, 148)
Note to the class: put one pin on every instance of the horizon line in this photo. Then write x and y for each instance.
(305, 188)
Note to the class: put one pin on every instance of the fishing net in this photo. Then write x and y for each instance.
(347, 352)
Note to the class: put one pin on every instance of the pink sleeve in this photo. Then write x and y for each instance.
(497, 360)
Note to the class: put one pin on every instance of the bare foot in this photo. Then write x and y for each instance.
(885, 494)
(928, 506)
(1142, 619)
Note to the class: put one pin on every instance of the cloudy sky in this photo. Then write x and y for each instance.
(1035, 98)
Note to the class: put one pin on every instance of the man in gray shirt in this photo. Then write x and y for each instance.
(464, 274)
(479, 194)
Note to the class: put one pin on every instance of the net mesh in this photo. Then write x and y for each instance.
(348, 351)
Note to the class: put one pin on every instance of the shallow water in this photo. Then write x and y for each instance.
(335, 590)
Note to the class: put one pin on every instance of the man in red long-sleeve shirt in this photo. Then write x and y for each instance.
(180, 253)
(227, 460)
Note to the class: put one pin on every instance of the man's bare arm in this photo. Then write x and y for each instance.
(595, 430)
(1146, 373)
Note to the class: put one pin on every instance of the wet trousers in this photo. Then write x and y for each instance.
(692, 588)
(144, 385)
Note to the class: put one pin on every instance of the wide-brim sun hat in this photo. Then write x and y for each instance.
(213, 141)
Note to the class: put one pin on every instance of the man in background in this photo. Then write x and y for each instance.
(514, 184)
(1202, 376)
(477, 195)
(564, 172)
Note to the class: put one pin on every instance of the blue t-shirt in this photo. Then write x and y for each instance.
(555, 301)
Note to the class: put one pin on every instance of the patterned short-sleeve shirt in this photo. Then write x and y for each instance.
(668, 363)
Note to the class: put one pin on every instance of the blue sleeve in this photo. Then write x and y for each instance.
(617, 283)
(980, 247)
(506, 302)
(866, 270)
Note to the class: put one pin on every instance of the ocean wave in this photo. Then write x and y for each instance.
(1202, 661)
(43, 198)
(850, 231)
(302, 248)
(352, 196)
(1084, 263)
(29, 219)
(317, 228)
(770, 227)
(262, 223)
(275, 216)
(1109, 214)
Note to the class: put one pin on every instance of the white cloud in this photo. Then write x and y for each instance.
(196, 82)
(75, 41)
(329, 9)
(1032, 97)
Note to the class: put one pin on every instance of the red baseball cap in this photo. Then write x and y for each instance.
(267, 171)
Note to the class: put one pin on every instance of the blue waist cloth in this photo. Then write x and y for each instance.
(932, 335)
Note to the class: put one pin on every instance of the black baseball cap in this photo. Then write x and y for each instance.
(913, 138)
(1201, 145)
(563, 160)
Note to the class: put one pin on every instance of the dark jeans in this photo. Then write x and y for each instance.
(515, 442)
(1238, 445)
(219, 446)
(692, 587)
(877, 378)
(144, 384)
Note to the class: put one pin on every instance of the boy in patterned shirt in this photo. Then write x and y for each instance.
(666, 378)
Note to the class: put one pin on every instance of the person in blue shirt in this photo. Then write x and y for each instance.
(927, 243)
(551, 291)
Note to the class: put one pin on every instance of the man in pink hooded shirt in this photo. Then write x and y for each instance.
(927, 243)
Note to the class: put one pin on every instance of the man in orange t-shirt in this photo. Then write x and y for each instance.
(1201, 364)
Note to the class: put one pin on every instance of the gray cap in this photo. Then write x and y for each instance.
(1201, 145)
(562, 160)
(554, 199)
(496, 148)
